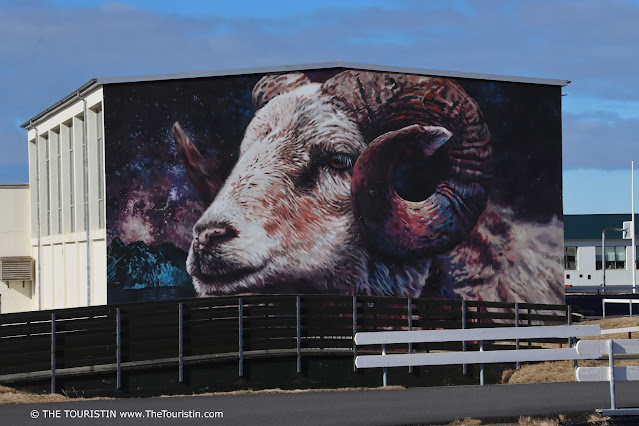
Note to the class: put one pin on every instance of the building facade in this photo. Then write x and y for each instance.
(16, 264)
(582, 250)
(117, 186)
(66, 172)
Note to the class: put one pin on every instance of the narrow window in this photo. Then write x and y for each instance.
(48, 185)
(598, 258)
(71, 178)
(59, 183)
(570, 258)
(620, 257)
(84, 162)
(100, 150)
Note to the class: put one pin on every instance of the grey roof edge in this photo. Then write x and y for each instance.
(285, 68)
(333, 64)
(86, 87)
(13, 185)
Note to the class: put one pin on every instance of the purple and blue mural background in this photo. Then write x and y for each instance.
(153, 204)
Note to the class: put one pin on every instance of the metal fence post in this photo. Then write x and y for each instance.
(410, 328)
(240, 337)
(572, 341)
(518, 364)
(181, 342)
(463, 308)
(630, 308)
(118, 350)
(354, 331)
(53, 353)
(481, 366)
(299, 334)
(529, 312)
(611, 363)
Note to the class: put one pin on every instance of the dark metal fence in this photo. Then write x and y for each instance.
(117, 338)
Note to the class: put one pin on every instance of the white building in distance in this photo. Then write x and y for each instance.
(582, 250)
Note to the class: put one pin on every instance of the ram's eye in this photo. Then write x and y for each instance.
(340, 161)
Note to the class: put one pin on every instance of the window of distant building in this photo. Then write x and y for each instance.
(570, 258)
(615, 257)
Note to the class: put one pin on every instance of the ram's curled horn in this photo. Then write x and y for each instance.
(203, 177)
(396, 111)
(273, 85)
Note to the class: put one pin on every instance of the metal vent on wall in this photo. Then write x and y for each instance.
(19, 268)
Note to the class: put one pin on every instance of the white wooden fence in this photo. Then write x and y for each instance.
(628, 301)
(477, 334)
(598, 348)
(585, 349)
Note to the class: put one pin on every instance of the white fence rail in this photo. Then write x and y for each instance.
(585, 349)
(598, 348)
(480, 357)
(625, 301)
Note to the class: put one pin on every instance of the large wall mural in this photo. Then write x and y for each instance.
(334, 182)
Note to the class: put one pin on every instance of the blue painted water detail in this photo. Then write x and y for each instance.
(137, 272)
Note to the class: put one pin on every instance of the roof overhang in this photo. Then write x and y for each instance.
(96, 82)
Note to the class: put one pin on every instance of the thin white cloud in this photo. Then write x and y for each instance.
(46, 51)
(599, 140)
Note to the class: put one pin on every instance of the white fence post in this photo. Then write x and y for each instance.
(481, 366)
(354, 332)
(385, 370)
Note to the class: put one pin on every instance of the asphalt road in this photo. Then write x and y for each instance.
(370, 407)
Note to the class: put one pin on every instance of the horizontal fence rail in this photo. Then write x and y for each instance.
(628, 302)
(117, 338)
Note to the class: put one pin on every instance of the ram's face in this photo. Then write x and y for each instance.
(284, 214)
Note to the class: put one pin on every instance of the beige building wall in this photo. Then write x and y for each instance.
(15, 238)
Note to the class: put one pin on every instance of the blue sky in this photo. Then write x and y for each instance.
(49, 48)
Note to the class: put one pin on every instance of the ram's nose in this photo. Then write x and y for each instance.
(212, 234)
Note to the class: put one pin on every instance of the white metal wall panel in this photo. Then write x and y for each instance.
(59, 276)
(72, 283)
(99, 285)
(82, 273)
(47, 278)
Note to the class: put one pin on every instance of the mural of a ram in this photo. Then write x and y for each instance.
(313, 203)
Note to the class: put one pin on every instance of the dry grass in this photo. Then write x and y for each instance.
(13, 396)
(530, 421)
(277, 390)
(563, 371)
(523, 421)
(468, 421)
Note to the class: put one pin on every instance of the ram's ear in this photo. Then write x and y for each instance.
(202, 175)
(274, 85)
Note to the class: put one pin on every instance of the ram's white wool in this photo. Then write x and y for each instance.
(291, 211)
(286, 222)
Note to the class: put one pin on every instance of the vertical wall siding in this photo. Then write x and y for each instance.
(64, 243)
